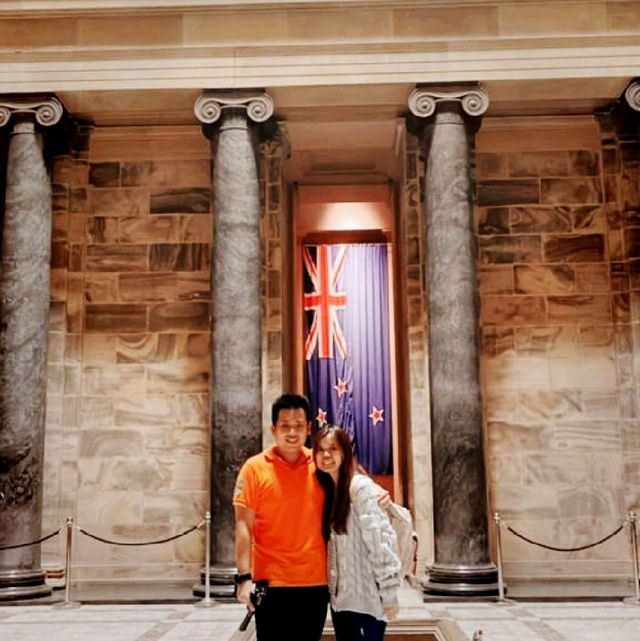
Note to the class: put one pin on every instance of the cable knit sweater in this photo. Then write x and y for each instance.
(364, 566)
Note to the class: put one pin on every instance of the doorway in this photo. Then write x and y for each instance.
(344, 315)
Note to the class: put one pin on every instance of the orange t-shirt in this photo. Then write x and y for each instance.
(288, 548)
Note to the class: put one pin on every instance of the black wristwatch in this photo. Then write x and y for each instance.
(241, 578)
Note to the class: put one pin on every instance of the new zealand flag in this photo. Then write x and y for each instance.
(348, 378)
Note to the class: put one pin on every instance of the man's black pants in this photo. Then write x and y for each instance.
(292, 614)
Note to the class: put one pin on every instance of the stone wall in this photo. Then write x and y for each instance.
(555, 333)
(413, 303)
(127, 444)
(274, 249)
(620, 139)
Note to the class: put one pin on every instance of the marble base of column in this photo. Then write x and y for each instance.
(220, 583)
(23, 584)
(462, 580)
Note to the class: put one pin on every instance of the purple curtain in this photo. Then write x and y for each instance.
(348, 379)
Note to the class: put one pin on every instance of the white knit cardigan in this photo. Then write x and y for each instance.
(364, 566)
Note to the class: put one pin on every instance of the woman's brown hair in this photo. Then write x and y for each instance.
(338, 499)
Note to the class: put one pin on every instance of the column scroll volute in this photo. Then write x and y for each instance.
(209, 107)
(46, 111)
(632, 95)
(423, 101)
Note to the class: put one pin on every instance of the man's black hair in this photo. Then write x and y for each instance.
(290, 402)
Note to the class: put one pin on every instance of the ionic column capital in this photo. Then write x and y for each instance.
(45, 111)
(209, 106)
(423, 101)
(279, 144)
(632, 95)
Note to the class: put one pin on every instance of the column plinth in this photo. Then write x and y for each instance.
(236, 315)
(462, 566)
(24, 310)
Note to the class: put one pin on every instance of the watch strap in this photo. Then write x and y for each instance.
(241, 578)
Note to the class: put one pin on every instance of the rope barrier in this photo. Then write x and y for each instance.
(24, 545)
(104, 540)
(630, 520)
(68, 603)
(165, 540)
(559, 549)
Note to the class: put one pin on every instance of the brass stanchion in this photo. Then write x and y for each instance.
(633, 535)
(502, 600)
(207, 602)
(67, 603)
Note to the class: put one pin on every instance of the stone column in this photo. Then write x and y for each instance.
(462, 566)
(24, 310)
(235, 403)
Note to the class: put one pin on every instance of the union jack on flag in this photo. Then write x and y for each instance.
(325, 300)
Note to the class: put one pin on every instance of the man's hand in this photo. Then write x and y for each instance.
(244, 535)
(243, 593)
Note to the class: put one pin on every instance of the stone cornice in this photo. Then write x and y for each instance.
(84, 7)
(45, 111)
(298, 43)
(286, 45)
(282, 68)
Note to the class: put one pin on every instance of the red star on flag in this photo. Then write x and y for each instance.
(340, 387)
(322, 417)
(376, 415)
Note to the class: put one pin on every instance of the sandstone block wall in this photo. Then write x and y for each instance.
(127, 446)
(554, 256)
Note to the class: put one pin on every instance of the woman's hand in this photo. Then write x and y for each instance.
(384, 498)
(391, 612)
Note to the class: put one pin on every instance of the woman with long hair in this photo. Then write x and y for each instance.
(364, 566)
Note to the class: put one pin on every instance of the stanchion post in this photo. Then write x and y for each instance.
(502, 600)
(68, 603)
(207, 602)
(633, 535)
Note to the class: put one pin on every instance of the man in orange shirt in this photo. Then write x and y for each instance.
(278, 504)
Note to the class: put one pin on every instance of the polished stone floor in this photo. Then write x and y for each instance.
(606, 620)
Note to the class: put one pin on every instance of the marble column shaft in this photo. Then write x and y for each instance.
(458, 468)
(236, 323)
(462, 562)
(236, 391)
(24, 309)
